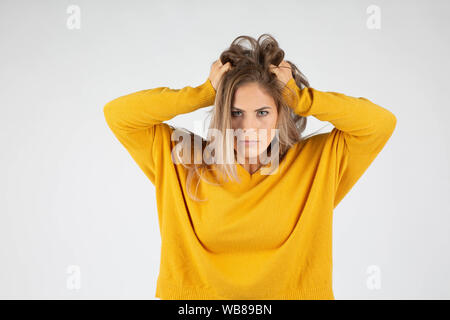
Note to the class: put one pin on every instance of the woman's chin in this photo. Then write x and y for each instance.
(248, 155)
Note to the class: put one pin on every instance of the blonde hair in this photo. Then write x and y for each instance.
(249, 65)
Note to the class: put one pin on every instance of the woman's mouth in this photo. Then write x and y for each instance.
(249, 142)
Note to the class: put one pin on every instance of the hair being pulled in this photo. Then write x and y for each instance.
(251, 60)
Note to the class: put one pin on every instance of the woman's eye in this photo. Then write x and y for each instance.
(266, 112)
(238, 113)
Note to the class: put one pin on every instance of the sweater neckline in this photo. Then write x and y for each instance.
(248, 180)
(244, 171)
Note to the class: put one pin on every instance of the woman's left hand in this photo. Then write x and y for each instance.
(283, 71)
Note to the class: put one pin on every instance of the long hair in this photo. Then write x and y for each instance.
(250, 64)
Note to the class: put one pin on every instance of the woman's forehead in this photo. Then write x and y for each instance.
(250, 96)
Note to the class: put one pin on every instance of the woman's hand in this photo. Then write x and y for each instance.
(283, 71)
(217, 71)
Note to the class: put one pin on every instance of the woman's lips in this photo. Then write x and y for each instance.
(249, 142)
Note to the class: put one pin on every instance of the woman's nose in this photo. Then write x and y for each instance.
(249, 123)
(249, 132)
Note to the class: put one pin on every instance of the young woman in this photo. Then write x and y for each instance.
(233, 224)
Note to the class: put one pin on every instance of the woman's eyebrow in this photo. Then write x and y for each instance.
(260, 109)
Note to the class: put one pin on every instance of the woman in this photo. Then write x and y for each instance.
(229, 229)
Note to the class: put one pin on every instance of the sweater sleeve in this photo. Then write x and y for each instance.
(362, 128)
(137, 119)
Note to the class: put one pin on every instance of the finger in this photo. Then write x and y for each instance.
(226, 66)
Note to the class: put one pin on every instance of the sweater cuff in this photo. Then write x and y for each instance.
(289, 93)
(297, 99)
(207, 94)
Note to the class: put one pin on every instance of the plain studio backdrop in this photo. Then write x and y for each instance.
(78, 217)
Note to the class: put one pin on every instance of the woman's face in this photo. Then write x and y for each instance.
(253, 112)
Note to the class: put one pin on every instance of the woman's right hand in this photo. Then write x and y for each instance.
(217, 71)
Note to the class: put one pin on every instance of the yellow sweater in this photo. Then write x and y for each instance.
(269, 237)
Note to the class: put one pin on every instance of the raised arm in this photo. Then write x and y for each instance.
(362, 129)
(137, 119)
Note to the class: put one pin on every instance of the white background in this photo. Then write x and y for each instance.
(72, 196)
